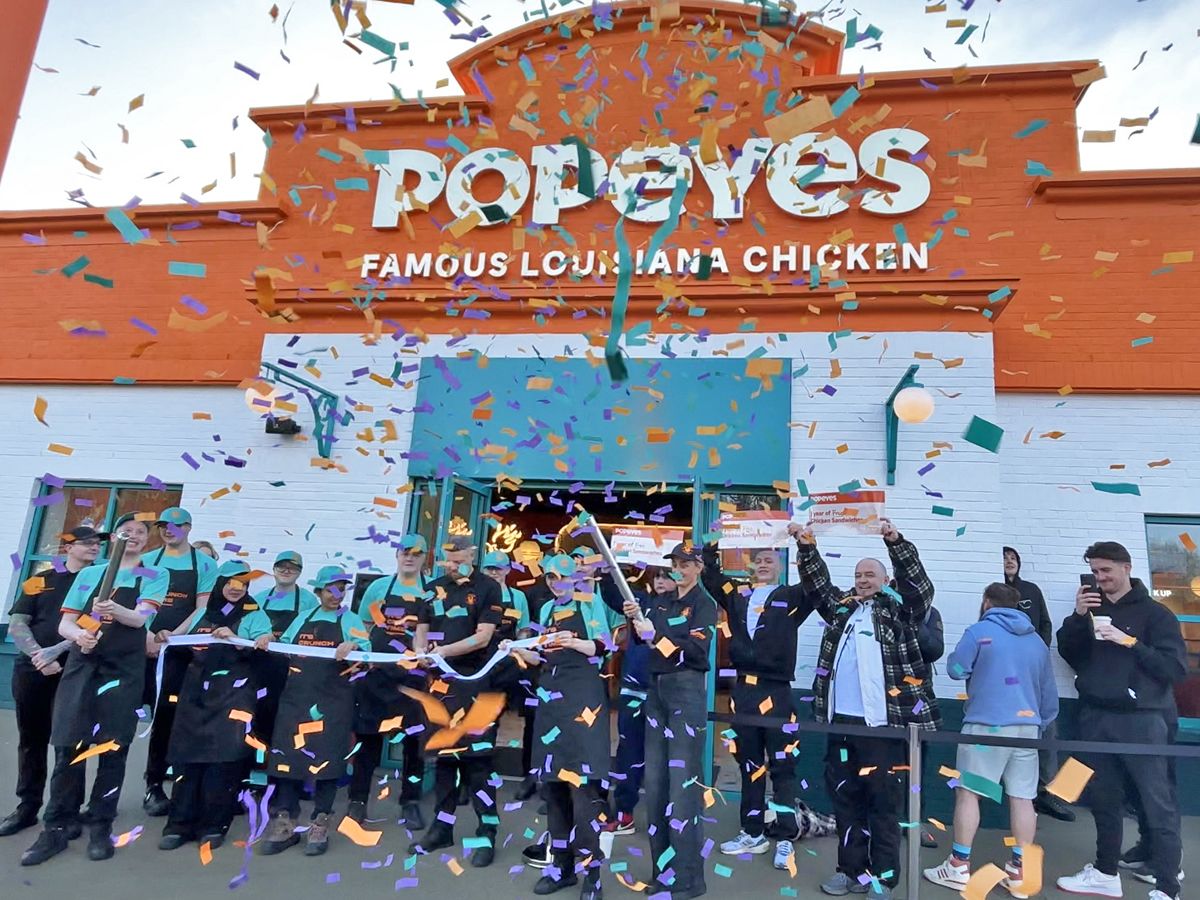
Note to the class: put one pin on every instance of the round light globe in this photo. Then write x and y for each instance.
(913, 405)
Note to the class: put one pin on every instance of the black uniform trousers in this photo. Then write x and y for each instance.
(758, 747)
(676, 731)
(368, 757)
(33, 695)
(867, 807)
(288, 792)
(175, 667)
(574, 808)
(204, 798)
(474, 772)
(1150, 778)
(68, 782)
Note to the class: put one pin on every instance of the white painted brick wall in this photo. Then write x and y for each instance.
(1036, 496)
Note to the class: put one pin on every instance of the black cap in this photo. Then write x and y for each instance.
(456, 542)
(83, 533)
(687, 551)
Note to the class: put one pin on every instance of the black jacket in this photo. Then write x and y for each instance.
(1033, 604)
(687, 623)
(771, 651)
(1127, 678)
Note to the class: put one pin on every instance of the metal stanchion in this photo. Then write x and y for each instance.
(914, 812)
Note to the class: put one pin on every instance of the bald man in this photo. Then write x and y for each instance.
(870, 672)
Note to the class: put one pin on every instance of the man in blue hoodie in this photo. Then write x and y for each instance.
(1010, 693)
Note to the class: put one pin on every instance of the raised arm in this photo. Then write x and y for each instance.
(912, 582)
(814, 574)
(717, 583)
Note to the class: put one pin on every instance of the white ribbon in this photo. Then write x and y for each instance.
(205, 640)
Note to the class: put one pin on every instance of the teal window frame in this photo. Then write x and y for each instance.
(31, 557)
(1189, 724)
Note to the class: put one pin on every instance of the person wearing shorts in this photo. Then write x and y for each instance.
(1011, 693)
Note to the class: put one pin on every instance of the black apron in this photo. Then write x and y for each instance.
(271, 670)
(378, 692)
(578, 747)
(101, 692)
(325, 684)
(218, 679)
(179, 603)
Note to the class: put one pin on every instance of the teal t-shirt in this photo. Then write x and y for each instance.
(353, 628)
(254, 625)
(517, 600)
(378, 590)
(154, 585)
(596, 617)
(273, 598)
(206, 566)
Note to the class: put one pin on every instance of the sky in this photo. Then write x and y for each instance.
(180, 57)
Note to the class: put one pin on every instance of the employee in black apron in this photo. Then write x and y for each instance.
(508, 676)
(458, 623)
(33, 627)
(100, 694)
(572, 730)
(208, 749)
(390, 609)
(192, 576)
(314, 727)
(280, 603)
(677, 722)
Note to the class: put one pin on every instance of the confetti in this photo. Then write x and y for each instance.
(1070, 781)
(355, 832)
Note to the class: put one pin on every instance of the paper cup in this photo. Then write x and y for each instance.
(1100, 620)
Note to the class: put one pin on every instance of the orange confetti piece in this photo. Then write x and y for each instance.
(982, 881)
(391, 724)
(61, 449)
(453, 865)
(96, 751)
(206, 855)
(87, 623)
(33, 585)
(39, 410)
(311, 727)
(1188, 543)
(351, 829)
(1033, 859)
(666, 646)
(240, 715)
(1070, 781)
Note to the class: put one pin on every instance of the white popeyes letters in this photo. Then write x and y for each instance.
(800, 174)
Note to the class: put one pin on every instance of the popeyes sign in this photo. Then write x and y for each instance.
(800, 175)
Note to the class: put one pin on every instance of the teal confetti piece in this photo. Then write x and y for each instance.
(382, 44)
(850, 486)
(76, 266)
(314, 713)
(1033, 167)
(475, 843)
(325, 153)
(723, 871)
(124, 225)
(983, 433)
(666, 857)
(999, 294)
(526, 68)
(108, 282)
(457, 144)
(187, 269)
(1032, 128)
(844, 102)
(977, 784)
(124, 379)
(1136, 342)
(1117, 487)
(970, 30)
(104, 688)
(350, 184)
(961, 531)
(550, 736)
(943, 511)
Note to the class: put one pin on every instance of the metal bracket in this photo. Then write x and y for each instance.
(892, 421)
(323, 403)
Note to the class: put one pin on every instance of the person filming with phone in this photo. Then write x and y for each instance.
(1127, 651)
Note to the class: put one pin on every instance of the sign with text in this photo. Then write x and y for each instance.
(643, 545)
(856, 512)
(751, 529)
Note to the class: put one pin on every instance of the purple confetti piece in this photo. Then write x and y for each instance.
(246, 69)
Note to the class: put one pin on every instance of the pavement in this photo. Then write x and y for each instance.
(348, 870)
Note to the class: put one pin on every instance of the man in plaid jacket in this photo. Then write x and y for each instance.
(869, 673)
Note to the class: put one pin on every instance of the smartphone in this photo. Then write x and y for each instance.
(1089, 581)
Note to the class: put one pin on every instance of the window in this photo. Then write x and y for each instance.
(1172, 543)
(61, 506)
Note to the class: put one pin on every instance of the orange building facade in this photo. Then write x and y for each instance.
(441, 275)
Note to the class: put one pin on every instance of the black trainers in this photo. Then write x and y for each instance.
(482, 857)
(537, 856)
(155, 803)
(357, 811)
(51, 842)
(1051, 806)
(1145, 874)
(411, 813)
(18, 820)
(526, 789)
(1134, 857)
(100, 845)
(172, 841)
(547, 885)
(435, 839)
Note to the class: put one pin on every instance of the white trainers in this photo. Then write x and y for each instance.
(744, 843)
(1091, 881)
(783, 852)
(1159, 895)
(949, 875)
(1014, 877)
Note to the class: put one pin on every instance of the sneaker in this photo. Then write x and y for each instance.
(316, 842)
(1159, 895)
(100, 843)
(783, 854)
(281, 834)
(51, 842)
(622, 824)
(1014, 877)
(1145, 874)
(745, 843)
(356, 811)
(155, 803)
(172, 841)
(537, 856)
(410, 812)
(18, 820)
(882, 893)
(1133, 857)
(839, 884)
(949, 875)
(928, 841)
(435, 839)
(1049, 805)
(1091, 880)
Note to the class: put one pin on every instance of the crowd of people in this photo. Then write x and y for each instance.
(264, 698)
